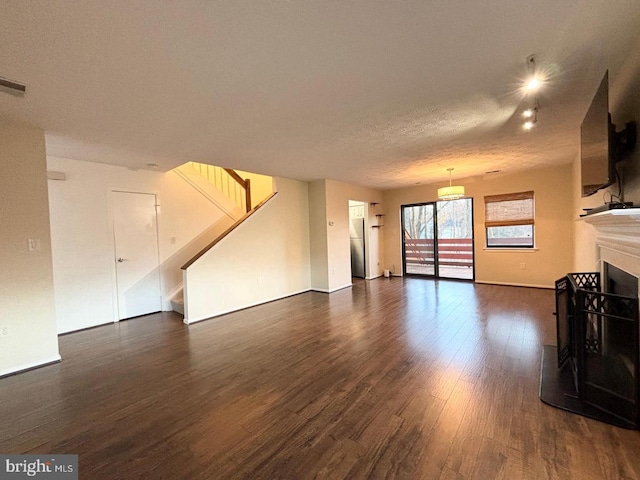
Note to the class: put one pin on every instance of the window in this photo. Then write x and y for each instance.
(509, 220)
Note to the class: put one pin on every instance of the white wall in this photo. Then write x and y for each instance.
(82, 238)
(553, 255)
(265, 258)
(27, 312)
(624, 106)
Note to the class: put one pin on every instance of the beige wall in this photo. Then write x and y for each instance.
(553, 255)
(27, 313)
(261, 186)
(338, 245)
(329, 226)
(318, 225)
(624, 106)
(265, 258)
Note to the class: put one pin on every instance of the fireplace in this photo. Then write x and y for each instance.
(598, 336)
(595, 368)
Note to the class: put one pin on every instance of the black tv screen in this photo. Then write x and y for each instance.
(595, 153)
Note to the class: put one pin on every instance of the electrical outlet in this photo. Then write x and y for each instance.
(523, 266)
(333, 271)
(4, 331)
(259, 280)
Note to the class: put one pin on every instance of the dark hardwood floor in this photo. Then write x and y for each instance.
(395, 378)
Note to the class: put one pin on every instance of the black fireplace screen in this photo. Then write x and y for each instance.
(609, 326)
(566, 309)
(598, 337)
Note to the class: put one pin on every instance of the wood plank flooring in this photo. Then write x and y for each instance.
(394, 378)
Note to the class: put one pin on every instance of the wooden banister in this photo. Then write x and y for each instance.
(247, 193)
(227, 231)
(244, 183)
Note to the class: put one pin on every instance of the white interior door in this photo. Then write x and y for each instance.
(136, 253)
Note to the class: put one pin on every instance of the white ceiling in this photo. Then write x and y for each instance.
(383, 93)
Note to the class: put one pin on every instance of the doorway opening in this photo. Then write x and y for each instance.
(357, 238)
(437, 239)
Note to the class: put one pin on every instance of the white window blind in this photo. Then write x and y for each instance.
(509, 209)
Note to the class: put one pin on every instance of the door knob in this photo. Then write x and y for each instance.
(120, 259)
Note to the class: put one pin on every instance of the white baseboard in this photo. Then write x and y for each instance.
(189, 321)
(509, 284)
(373, 278)
(348, 285)
(30, 366)
(87, 327)
(324, 290)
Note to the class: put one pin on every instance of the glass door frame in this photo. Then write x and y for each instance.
(435, 239)
(436, 266)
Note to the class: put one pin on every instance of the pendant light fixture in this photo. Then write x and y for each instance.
(452, 192)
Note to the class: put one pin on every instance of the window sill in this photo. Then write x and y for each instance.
(507, 249)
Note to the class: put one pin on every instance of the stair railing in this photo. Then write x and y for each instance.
(245, 184)
(228, 182)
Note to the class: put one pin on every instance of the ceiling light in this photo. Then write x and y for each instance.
(535, 78)
(532, 118)
(452, 192)
(533, 84)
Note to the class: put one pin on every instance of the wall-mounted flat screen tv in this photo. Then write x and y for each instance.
(595, 143)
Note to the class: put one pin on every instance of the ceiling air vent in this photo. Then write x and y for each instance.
(14, 87)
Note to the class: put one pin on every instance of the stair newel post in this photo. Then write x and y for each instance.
(247, 193)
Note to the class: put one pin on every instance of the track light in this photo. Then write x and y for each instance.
(535, 80)
(532, 85)
(531, 114)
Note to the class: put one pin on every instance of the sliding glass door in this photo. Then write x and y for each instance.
(437, 239)
(418, 250)
(455, 238)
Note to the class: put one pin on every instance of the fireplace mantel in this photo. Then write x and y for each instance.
(616, 220)
(618, 238)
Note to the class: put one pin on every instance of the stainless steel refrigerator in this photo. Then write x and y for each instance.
(356, 233)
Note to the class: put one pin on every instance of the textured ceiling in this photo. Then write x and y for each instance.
(383, 93)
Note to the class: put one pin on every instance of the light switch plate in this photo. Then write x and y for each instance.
(33, 244)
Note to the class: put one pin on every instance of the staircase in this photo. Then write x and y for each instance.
(232, 185)
(223, 187)
(177, 302)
